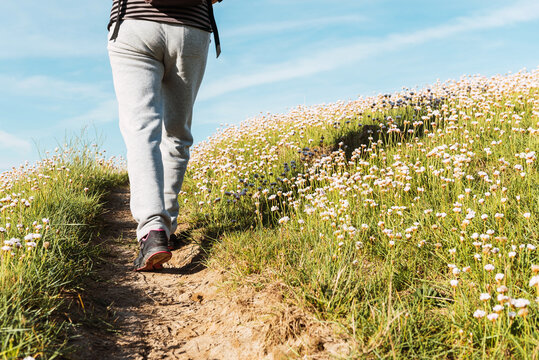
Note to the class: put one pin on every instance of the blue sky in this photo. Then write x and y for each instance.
(55, 76)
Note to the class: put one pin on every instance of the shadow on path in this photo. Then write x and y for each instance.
(115, 310)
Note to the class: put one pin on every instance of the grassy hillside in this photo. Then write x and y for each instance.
(409, 219)
(46, 215)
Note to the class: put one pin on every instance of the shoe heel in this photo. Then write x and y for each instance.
(157, 259)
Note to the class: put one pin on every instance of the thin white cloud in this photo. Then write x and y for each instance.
(104, 112)
(277, 27)
(32, 45)
(53, 29)
(48, 87)
(12, 142)
(330, 59)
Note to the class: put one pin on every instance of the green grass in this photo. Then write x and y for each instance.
(368, 228)
(64, 194)
(408, 220)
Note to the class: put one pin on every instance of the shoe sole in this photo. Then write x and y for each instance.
(155, 261)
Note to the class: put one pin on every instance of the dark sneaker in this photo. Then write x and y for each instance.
(153, 251)
(175, 242)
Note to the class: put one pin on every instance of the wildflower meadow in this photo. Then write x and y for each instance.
(48, 212)
(408, 220)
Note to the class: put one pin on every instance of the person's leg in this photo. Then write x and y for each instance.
(136, 59)
(185, 62)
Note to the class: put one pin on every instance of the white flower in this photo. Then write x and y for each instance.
(498, 308)
(493, 316)
(484, 297)
(534, 281)
(499, 277)
(520, 303)
(526, 215)
(284, 220)
(512, 254)
(478, 314)
(274, 208)
(454, 283)
(489, 267)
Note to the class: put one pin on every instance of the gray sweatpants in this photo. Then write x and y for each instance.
(157, 70)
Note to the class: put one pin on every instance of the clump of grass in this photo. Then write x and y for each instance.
(47, 213)
(407, 218)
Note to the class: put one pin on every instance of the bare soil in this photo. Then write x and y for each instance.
(186, 311)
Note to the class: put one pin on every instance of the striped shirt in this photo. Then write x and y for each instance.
(196, 16)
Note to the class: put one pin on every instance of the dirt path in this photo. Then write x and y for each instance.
(185, 311)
